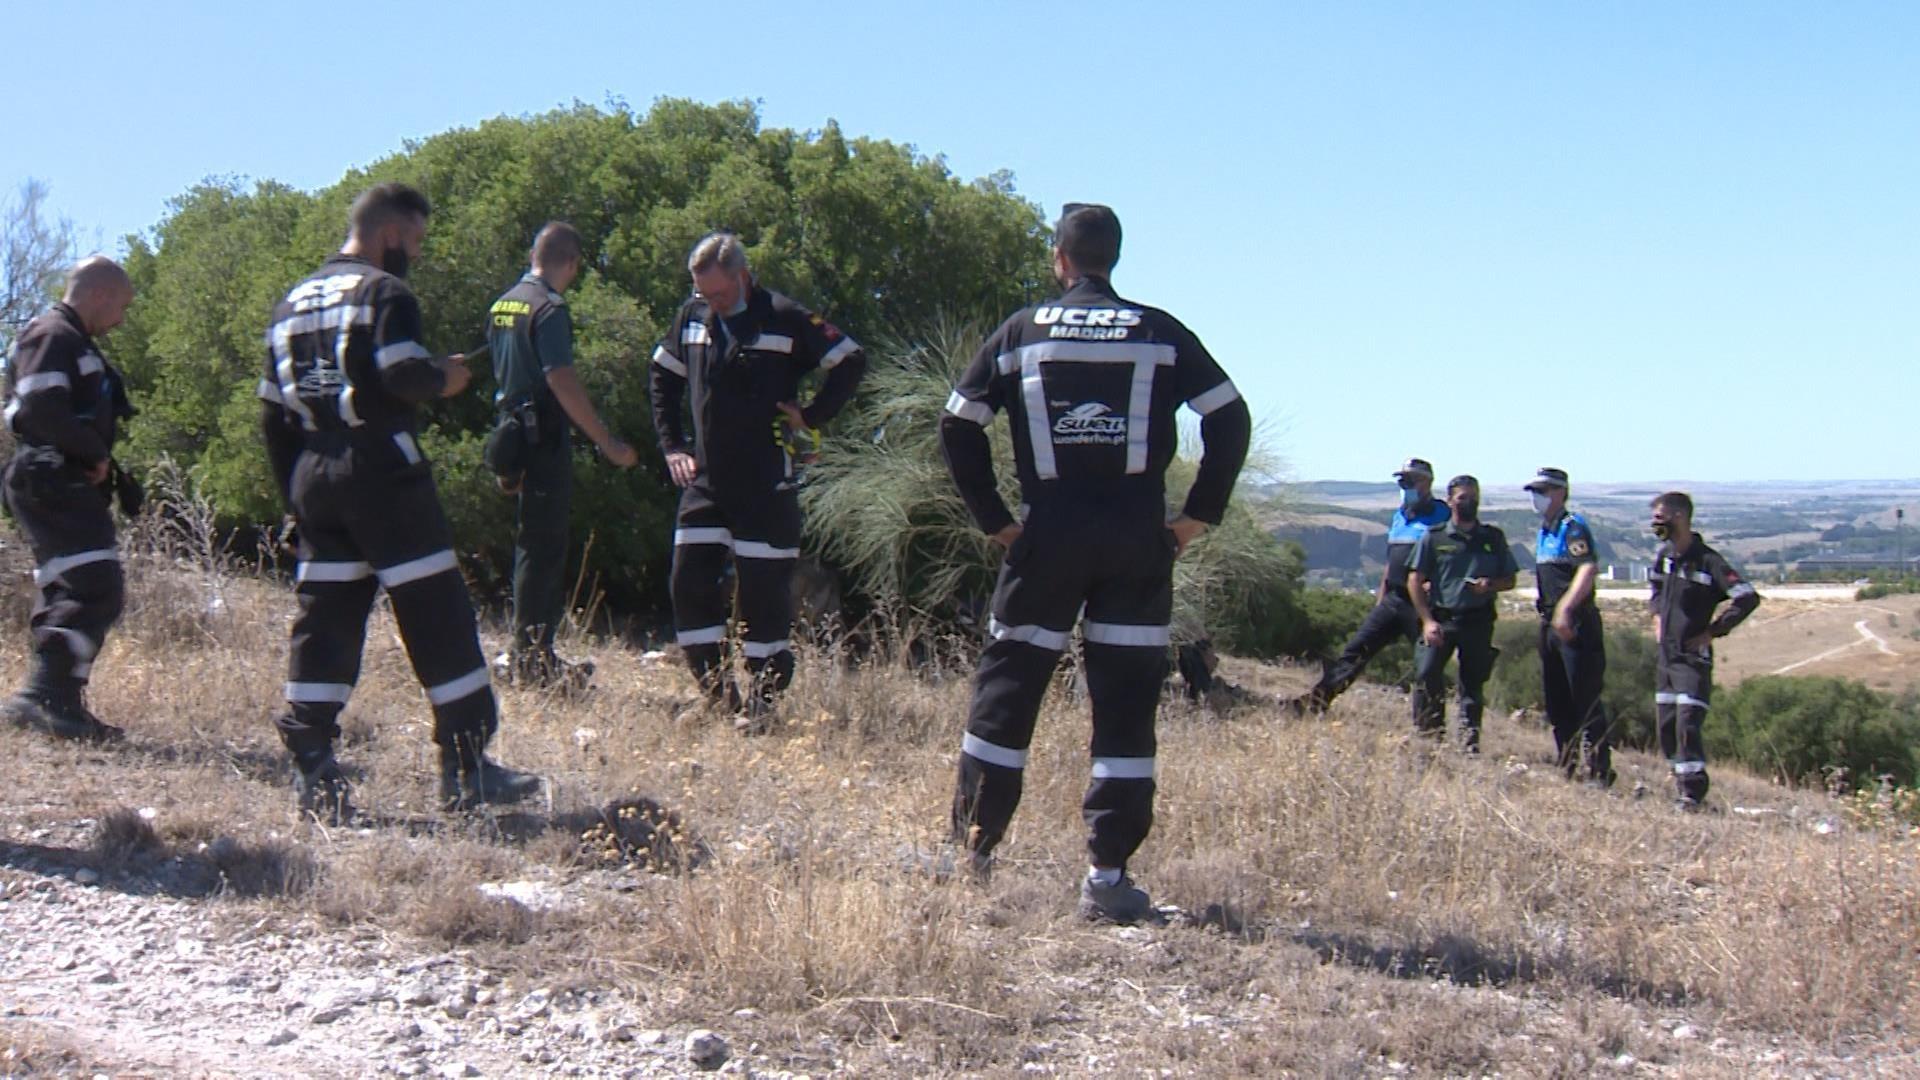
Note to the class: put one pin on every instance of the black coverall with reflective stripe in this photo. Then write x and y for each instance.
(1686, 588)
(741, 509)
(63, 401)
(1091, 384)
(344, 374)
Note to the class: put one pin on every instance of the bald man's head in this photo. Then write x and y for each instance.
(99, 291)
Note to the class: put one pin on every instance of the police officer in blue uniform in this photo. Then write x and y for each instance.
(1573, 648)
(1392, 618)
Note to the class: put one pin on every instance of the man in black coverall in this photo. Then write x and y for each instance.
(345, 376)
(1091, 384)
(736, 354)
(1689, 580)
(63, 404)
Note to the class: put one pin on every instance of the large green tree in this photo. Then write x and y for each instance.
(869, 232)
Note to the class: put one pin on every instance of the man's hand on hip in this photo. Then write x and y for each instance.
(1185, 531)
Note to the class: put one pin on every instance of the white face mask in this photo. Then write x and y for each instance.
(1541, 500)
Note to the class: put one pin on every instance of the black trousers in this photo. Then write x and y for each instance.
(1117, 565)
(69, 526)
(1573, 674)
(1680, 706)
(1392, 619)
(1469, 635)
(757, 535)
(540, 545)
(370, 518)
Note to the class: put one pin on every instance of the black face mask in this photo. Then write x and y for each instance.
(1661, 530)
(394, 261)
(1467, 509)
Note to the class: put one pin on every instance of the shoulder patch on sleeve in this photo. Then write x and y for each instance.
(827, 329)
(1578, 547)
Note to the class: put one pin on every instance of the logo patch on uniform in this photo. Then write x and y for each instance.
(1090, 423)
(827, 329)
(1086, 324)
(1578, 548)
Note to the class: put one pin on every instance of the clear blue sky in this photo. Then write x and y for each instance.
(1637, 240)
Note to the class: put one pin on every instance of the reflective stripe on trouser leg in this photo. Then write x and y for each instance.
(1680, 704)
(437, 624)
(766, 606)
(70, 622)
(69, 527)
(699, 585)
(1034, 607)
(334, 588)
(1125, 669)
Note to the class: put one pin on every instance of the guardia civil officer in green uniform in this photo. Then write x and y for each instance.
(1454, 573)
(539, 398)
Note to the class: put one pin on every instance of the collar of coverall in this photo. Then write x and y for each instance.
(1090, 285)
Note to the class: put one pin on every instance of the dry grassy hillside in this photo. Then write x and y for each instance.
(1352, 905)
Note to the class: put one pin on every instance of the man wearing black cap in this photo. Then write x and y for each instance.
(1091, 384)
(1454, 574)
(1573, 649)
(1393, 617)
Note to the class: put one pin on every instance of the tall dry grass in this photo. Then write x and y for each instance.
(1355, 899)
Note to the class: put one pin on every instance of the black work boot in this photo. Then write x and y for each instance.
(320, 789)
(63, 716)
(470, 779)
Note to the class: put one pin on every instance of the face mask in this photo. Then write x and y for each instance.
(1541, 500)
(1661, 530)
(1409, 497)
(394, 261)
(1467, 509)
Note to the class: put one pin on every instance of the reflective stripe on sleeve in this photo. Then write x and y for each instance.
(669, 361)
(846, 348)
(1224, 394)
(270, 391)
(389, 355)
(977, 411)
(45, 380)
(992, 753)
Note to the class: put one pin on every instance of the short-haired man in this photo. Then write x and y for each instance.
(1689, 580)
(1392, 618)
(1454, 574)
(737, 353)
(1573, 645)
(64, 405)
(530, 333)
(1091, 384)
(345, 377)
